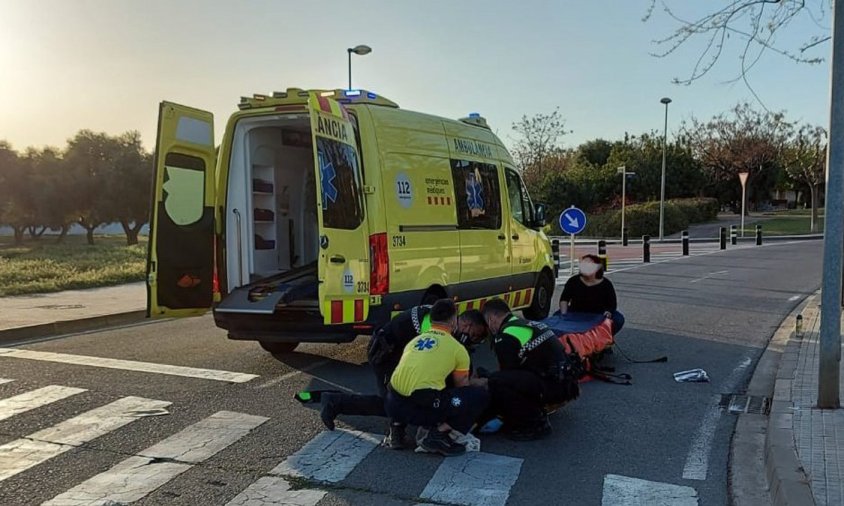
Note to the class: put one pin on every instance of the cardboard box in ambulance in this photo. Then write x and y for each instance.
(322, 213)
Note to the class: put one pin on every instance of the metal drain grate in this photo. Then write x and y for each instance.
(738, 404)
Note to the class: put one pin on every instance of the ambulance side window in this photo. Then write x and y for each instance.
(477, 195)
(520, 205)
(341, 187)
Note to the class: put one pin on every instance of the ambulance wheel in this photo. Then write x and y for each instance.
(433, 295)
(541, 304)
(278, 348)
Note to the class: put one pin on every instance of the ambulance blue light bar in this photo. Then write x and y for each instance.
(474, 115)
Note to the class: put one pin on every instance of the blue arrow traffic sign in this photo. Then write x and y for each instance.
(572, 221)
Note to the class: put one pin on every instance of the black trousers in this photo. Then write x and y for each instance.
(368, 405)
(458, 407)
(519, 397)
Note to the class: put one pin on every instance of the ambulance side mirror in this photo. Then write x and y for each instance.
(539, 216)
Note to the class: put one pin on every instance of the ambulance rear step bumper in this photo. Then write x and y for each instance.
(287, 326)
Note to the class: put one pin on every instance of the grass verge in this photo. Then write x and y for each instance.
(43, 266)
(785, 225)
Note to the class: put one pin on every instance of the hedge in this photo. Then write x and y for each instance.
(642, 219)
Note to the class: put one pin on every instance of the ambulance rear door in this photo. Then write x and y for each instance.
(343, 269)
(180, 256)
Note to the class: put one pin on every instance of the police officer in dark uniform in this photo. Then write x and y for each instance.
(385, 351)
(534, 372)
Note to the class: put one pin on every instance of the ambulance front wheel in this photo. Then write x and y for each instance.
(278, 348)
(541, 304)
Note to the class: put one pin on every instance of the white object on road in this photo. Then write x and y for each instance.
(4, 380)
(129, 365)
(135, 477)
(474, 479)
(19, 455)
(35, 399)
(691, 376)
(626, 491)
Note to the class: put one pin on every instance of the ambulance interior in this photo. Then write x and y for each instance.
(272, 234)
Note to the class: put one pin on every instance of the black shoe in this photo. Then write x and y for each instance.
(330, 409)
(531, 432)
(439, 442)
(396, 438)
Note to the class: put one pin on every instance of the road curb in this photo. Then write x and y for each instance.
(71, 326)
(787, 480)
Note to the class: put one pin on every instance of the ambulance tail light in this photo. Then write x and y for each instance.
(379, 262)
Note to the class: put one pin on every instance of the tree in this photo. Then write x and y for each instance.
(753, 24)
(746, 140)
(127, 195)
(539, 150)
(49, 182)
(90, 158)
(595, 152)
(805, 159)
(16, 208)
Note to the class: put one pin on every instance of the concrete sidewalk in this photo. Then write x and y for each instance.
(804, 449)
(28, 316)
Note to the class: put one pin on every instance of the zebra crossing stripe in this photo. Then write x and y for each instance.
(275, 491)
(329, 458)
(19, 455)
(35, 399)
(4, 380)
(474, 479)
(137, 476)
(129, 365)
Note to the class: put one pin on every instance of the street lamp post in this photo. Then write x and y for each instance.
(666, 101)
(358, 50)
(623, 171)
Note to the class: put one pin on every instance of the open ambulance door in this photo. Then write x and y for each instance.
(343, 270)
(180, 258)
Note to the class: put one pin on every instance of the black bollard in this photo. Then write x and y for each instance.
(685, 237)
(733, 235)
(723, 237)
(555, 252)
(646, 249)
(624, 236)
(759, 235)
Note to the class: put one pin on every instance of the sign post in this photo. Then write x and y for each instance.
(743, 177)
(572, 222)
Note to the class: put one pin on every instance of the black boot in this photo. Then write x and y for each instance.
(330, 409)
(396, 438)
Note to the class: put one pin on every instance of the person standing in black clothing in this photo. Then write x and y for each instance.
(384, 352)
(534, 371)
(591, 292)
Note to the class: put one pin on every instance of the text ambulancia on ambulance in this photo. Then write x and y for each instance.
(323, 213)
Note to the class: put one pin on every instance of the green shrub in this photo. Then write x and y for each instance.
(643, 219)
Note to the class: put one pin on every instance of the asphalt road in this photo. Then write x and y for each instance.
(714, 311)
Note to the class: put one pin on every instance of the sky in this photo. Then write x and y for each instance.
(105, 65)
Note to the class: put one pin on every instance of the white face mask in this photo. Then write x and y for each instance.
(588, 268)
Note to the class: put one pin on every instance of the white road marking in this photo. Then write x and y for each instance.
(4, 380)
(19, 455)
(708, 276)
(275, 491)
(697, 461)
(35, 399)
(291, 374)
(474, 479)
(135, 477)
(329, 457)
(129, 365)
(793, 298)
(626, 491)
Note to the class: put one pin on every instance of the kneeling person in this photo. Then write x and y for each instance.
(417, 391)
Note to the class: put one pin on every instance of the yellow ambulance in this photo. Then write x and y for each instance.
(323, 213)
